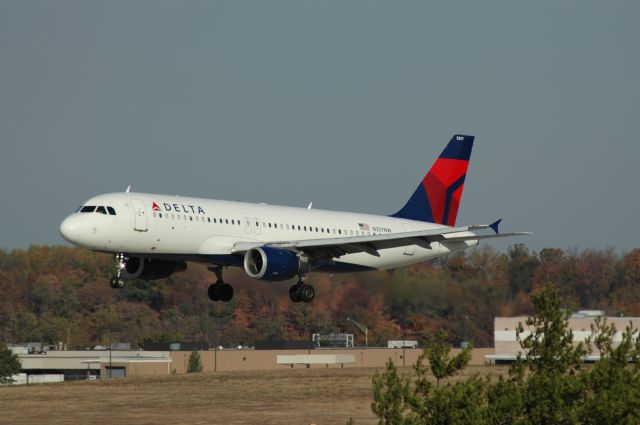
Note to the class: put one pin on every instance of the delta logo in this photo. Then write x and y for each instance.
(179, 208)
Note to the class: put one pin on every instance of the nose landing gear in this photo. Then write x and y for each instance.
(117, 282)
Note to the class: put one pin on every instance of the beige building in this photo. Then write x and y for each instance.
(93, 364)
(231, 360)
(507, 346)
(97, 364)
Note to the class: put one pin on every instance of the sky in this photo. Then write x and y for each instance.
(345, 104)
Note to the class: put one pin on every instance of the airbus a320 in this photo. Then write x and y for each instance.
(154, 236)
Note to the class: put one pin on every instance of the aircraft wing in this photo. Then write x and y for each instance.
(328, 248)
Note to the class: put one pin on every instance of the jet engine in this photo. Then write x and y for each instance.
(273, 264)
(148, 269)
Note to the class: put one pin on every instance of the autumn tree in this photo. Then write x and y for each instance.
(522, 265)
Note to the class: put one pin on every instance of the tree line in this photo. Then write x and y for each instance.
(60, 294)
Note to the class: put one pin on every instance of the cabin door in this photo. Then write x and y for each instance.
(140, 214)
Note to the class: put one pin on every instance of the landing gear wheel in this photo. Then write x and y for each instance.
(220, 291)
(226, 292)
(116, 282)
(214, 294)
(306, 293)
(302, 292)
(293, 294)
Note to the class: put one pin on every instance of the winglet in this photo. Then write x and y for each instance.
(495, 225)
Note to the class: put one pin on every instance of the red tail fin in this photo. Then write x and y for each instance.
(438, 196)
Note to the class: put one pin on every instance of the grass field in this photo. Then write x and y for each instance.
(292, 396)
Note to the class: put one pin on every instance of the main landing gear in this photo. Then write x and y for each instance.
(117, 282)
(220, 291)
(302, 292)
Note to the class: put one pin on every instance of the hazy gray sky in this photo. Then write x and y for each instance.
(343, 103)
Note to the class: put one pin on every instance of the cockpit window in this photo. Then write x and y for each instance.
(101, 210)
(88, 209)
(111, 211)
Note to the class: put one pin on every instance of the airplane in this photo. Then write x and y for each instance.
(153, 236)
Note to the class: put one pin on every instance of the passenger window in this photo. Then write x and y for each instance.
(233, 222)
(226, 221)
(190, 218)
(111, 211)
(305, 228)
(269, 225)
(257, 224)
(88, 209)
(316, 229)
(339, 231)
(173, 216)
(298, 227)
(209, 219)
(160, 214)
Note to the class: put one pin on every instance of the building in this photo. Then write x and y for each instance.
(93, 364)
(507, 346)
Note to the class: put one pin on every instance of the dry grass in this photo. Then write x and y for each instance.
(293, 396)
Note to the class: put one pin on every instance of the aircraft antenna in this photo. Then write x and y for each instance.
(310, 204)
(128, 189)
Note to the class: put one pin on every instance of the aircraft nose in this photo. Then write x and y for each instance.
(69, 229)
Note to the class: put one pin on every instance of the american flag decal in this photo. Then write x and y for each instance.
(363, 226)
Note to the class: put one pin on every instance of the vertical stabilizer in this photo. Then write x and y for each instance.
(438, 195)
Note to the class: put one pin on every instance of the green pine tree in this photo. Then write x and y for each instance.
(9, 365)
(389, 391)
(552, 390)
(195, 362)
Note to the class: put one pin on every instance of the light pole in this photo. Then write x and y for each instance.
(110, 364)
(363, 328)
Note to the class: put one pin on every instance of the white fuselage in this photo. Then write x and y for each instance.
(206, 230)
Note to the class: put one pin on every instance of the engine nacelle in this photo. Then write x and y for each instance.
(266, 263)
(147, 269)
